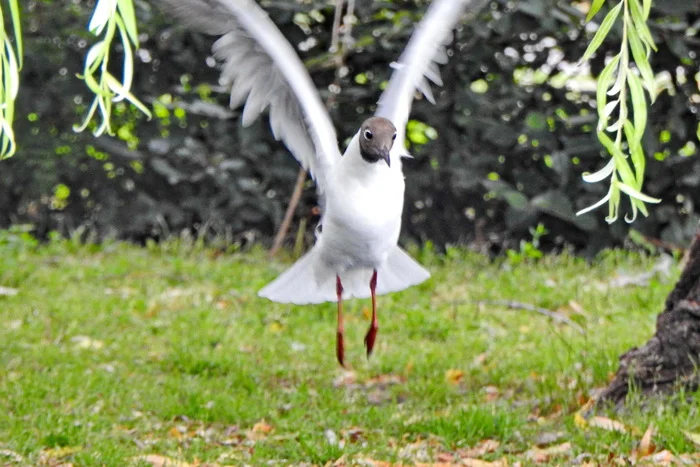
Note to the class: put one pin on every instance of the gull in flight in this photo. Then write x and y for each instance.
(356, 252)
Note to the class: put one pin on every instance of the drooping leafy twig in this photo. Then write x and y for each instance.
(10, 65)
(109, 17)
(619, 81)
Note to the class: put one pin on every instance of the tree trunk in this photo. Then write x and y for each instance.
(670, 359)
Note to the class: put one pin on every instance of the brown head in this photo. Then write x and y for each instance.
(377, 135)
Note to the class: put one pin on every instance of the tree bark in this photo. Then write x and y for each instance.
(669, 361)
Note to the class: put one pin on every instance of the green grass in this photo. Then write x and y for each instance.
(110, 352)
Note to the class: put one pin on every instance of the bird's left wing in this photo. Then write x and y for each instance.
(418, 63)
(265, 71)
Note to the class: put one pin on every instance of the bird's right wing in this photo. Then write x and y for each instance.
(419, 63)
(264, 70)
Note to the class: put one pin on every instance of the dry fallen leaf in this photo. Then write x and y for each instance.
(491, 393)
(538, 455)
(275, 327)
(469, 462)
(161, 461)
(259, 431)
(694, 437)
(54, 456)
(646, 447)
(549, 437)
(454, 376)
(353, 434)
(690, 459)
(464, 462)
(579, 421)
(12, 455)
(262, 427)
(483, 447)
(85, 342)
(577, 308)
(607, 424)
(346, 378)
(175, 432)
(664, 457)
(384, 381)
(480, 359)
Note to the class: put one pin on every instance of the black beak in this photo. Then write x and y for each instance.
(386, 156)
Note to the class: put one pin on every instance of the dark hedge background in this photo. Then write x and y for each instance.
(512, 137)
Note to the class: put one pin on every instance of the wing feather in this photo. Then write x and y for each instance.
(264, 71)
(417, 66)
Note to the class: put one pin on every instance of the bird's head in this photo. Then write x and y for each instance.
(377, 135)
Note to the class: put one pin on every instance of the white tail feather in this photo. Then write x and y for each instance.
(310, 281)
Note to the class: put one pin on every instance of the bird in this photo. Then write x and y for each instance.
(356, 253)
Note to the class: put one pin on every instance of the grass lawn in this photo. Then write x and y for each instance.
(113, 353)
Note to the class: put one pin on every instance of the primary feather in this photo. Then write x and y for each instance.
(418, 63)
(264, 70)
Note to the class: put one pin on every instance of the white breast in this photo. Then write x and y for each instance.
(364, 203)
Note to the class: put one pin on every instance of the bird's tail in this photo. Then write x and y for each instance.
(309, 280)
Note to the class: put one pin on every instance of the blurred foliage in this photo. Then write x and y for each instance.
(502, 152)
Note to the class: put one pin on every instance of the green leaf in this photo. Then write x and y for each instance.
(105, 106)
(639, 106)
(642, 62)
(629, 220)
(640, 205)
(602, 174)
(602, 32)
(609, 108)
(115, 85)
(595, 7)
(621, 166)
(8, 139)
(634, 193)
(126, 12)
(614, 202)
(128, 73)
(604, 81)
(104, 10)
(640, 25)
(636, 154)
(17, 25)
(647, 9)
(11, 72)
(590, 208)
(88, 117)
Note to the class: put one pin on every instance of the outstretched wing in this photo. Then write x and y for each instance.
(418, 63)
(264, 70)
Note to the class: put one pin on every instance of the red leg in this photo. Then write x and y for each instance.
(339, 346)
(374, 326)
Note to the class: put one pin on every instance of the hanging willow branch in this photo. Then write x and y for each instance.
(110, 17)
(618, 83)
(10, 65)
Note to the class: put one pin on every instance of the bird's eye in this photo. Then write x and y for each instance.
(393, 137)
(368, 134)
